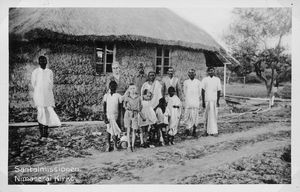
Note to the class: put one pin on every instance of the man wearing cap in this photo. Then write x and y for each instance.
(211, 91)
(171, 81)
(192, 93)
(141, 78)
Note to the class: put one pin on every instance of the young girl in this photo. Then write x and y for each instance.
(174, 107)
(111, 106)
(133, 107)
(162, 113)
(149, 115)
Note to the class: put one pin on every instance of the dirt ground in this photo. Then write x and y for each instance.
(251, 148)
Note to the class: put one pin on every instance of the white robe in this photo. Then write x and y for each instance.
(112, 112)
(155, 89)
(175, 114)
(192, 91)
(168, 82)
(42, 83)
(211, 85)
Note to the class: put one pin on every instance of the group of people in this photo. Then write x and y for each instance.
(153, 110)
(144, 107)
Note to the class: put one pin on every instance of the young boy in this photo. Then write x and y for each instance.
(133, 106)
(162, 114)
(111, 106)
(174, 107)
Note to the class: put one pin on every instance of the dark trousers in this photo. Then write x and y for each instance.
(43, 130)
(120, 120)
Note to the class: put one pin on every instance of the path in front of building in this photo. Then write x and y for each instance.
(171, 164)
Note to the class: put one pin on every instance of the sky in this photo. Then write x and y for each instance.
(215, 21)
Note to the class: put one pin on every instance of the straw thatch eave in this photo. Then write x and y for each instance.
(158, 26)
(36, 34)
(149, 25)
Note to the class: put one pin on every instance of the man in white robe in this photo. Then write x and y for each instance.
(211, 91)
(42, 83)
(154, 87)
(192, 92)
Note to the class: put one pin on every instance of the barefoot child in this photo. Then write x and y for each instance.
(133, 107)
(174, 107)
(111, 106)
(162, 114)
(149, 115)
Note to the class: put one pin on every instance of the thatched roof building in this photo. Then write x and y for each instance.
(150, 25)
(82, 43)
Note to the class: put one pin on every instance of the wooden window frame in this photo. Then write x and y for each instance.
(162, 57)
(105, 52)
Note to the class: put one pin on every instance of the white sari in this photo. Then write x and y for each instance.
(42, 83)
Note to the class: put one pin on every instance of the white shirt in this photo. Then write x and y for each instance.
(162, 117)
(112, 104)
(168, 82)
(192, 92)
(156, 89)
(211, 85)
(42, 83)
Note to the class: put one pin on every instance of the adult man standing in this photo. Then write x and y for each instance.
(211, 92)
(140, 79)
(118, 78)
(171, 81)
(42, 83)
(121, 89)
(154, 87)
(192, 92)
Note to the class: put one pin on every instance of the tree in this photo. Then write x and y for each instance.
(255, 39)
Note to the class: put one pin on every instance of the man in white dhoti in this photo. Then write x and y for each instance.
(42, 83)
(211, 91)
(171, 81)
(192, 92)
(154, 87)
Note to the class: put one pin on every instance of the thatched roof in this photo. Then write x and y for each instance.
(150, 25)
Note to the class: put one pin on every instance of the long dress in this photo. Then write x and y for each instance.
(174, 106)
(211, 85)
(112, 112)
(149, 114)
(121, 89)
(42, 83)
(192, 92)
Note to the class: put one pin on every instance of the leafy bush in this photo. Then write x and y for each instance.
(285, 92)
(252, 78)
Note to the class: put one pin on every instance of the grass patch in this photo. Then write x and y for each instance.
(246, 90)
